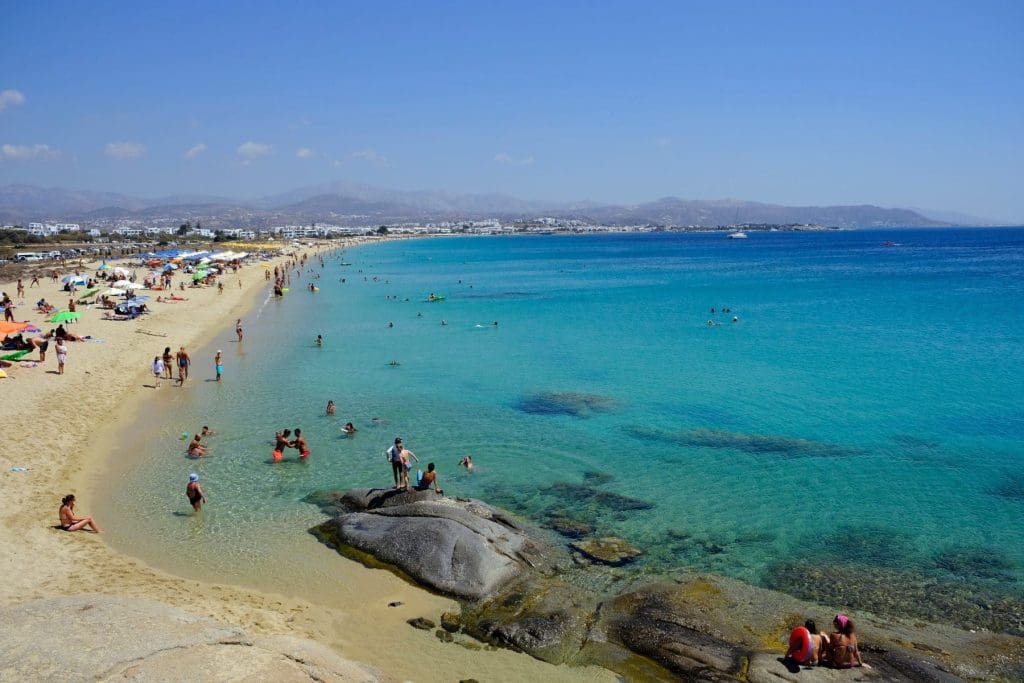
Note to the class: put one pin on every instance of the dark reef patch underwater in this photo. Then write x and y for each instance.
(570, 403)
(785, 446)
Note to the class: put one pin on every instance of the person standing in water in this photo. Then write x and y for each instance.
(300, 444)
(218, 364)
(238, 329)
(195, 492)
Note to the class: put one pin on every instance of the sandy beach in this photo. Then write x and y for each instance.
(60, 429)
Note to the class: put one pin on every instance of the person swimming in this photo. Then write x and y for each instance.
(319, 341)
(350, 428)
(467, 462)
(331, 409)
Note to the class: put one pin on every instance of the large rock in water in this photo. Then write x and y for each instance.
(458, 547)
(97, 637)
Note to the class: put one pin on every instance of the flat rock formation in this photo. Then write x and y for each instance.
(458, 547)
(98, 637)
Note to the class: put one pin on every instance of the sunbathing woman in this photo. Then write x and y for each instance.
(68, 521)
(843, 644)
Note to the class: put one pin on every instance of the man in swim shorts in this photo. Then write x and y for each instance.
(300, 444)
(183, 363)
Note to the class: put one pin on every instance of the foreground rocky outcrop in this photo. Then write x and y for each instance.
(97, 637)
(458, 547)
(564, 600)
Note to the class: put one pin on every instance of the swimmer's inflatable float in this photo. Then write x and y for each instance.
(432, 299)
(801, 644)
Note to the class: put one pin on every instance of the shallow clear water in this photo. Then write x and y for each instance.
(866, 410)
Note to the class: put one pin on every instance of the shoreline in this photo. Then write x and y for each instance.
(66, 446)
(343, 627)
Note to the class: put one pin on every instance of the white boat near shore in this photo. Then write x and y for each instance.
(738, 235)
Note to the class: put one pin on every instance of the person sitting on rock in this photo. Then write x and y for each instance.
(845, 652)
(429, 479)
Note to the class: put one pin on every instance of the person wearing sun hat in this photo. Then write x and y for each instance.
(843, 644)
(195, 492)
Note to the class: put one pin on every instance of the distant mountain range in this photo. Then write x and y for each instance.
(348, 203)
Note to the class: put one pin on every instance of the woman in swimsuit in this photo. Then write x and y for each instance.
(331, 408)
(68, 521)
(195, 492)
(843, 644)
(168, 362)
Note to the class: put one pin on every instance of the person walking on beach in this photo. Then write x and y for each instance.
(35, 282)
(62, 355)
(195, 492)
(183, 363)
(168, 362)
(394, 454)
(158, 370)
(68, 521)
(21, 288)
(218, 364)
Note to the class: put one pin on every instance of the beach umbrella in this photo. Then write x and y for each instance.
(113, 291)
(198, 276)
(77, 279)
(170, 266)
(15, 355)
(8, 328)
(64, 316)
(127, 284)
(123, 272)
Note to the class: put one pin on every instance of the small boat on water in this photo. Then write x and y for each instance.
(738, 235)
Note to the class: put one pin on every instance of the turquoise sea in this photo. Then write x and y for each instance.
(861, 424)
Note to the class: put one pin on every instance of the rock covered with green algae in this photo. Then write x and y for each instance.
(610, 550)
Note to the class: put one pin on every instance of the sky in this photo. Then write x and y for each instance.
(899, 104)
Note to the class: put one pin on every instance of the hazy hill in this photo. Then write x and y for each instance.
(355, 204)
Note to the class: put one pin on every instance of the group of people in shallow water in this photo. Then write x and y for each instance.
(838, 649)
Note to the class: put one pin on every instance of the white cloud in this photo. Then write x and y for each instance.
(123, 151)
(251, 151)
(305, 153)
(29, 152)
(10, 97)
(508, 159)
(195, 150)
(370, 156)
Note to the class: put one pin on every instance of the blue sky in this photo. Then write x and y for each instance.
(891, 103)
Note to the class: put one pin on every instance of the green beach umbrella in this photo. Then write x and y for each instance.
(15, 355)
(64, 316)
(198, 276)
